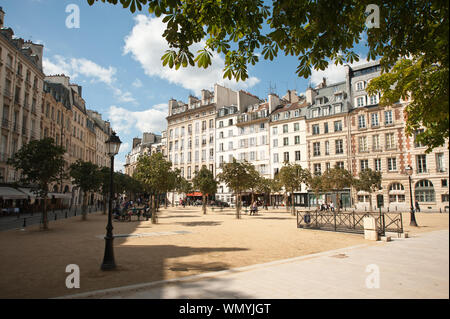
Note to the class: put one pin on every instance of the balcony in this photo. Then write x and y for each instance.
(5, 123)
(7, 93)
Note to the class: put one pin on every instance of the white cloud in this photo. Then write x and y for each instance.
(146, 45)
(333, 73)
(125, 121)
(137, 83)
(75, 67)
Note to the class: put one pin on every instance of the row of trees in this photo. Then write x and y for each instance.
(41, 164)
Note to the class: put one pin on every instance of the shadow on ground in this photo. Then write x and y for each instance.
(201, 223)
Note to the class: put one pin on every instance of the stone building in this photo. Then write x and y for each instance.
(145, 145)
(21, 84)
(327, 134)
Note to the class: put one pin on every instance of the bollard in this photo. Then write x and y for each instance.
(66, 213)
(24, 223)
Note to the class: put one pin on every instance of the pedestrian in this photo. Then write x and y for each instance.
(417, 207)
(332, 206)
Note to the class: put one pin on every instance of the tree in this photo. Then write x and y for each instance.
(336, 179)
(174, 180)
(87, 177)
(264, 186)
(255, 178)
(153, 172)
(237, 176)
(41, 162)
(184, 186)
(292, 176)
(368, 181)
(275, 184)
(245, 30)
(205, 183)
(315, 184)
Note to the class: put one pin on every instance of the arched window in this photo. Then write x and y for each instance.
(396, 193)
(424, 191)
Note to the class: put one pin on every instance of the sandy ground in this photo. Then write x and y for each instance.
(33, 262)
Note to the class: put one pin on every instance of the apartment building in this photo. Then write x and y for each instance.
(102, 132)
(21, 86)
(288, 137)
(327, 134)
(379, 142)
(145, 145)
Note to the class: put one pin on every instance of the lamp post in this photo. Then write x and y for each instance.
(112, 146)
(409, 171)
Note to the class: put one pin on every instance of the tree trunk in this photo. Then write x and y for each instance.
(292, 203)
(83, 207)
(204, 203)
(165, 201)
(286, 198)
(338, 203)
(370, 202)
(153, 209)
(238, 203)
(173, 199)
(44, 214)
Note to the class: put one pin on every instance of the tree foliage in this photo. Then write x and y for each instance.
(292, 176)
(40, 162)
(87, 177)
(336, 179)
(368, 181)
(205, 183)
(247, 31)
(238, 177)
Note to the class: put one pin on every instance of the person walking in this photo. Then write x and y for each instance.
(417, 207)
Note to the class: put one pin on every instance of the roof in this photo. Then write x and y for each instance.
(291, 106)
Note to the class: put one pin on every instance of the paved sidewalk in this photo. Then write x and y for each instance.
(416, 267)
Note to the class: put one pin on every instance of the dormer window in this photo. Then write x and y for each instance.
(286, 115)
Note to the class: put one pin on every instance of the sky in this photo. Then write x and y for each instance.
(116, 57)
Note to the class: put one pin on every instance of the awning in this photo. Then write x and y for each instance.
(28, 192)
(11, 193)
(59, 195)
(194, 194)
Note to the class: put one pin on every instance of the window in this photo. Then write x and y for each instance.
(421, 163)
(364, 164)
(361, 121)
(339, 147)
(317, 169)
(296, 126)
(316, 149)
(275, 143)
(392, 164)
(374, 119)
(252, 156)
(373, 99)
(444, 183)
(359, 86)
(337, 126)
(377, 164)
(424, 191)
(440, 163)
(230, 145)
(275, 157)
(221, 124)
(275, 130)
(315, 129)
(325, 127)
(297, 155)
(297, 139)
(285, 141)
(388, 117)
(376, 142)
(327, 166)
(396, 187)
(362, 141)
(396, 193)
(230, 122)
(360, 101)
(444, 198)
(189, 172)
(211, 123)
(340, 165)
(285, 128)
(327, 148)
(417, 143)
(390, 141)
(286, 156)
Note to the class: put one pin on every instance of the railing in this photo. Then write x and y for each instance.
(26, 219)
(349, 222)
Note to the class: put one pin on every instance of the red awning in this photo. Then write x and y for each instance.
(194, 194)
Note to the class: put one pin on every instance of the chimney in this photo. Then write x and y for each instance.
(172, 103)
(310, 95)
(274, 101)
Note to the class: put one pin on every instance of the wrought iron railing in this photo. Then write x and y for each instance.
(349, 222)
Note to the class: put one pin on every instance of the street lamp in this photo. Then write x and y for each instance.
(409, 171)
(112, 148)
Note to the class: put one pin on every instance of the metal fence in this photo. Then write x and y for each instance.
(349, 222)
(21, 221)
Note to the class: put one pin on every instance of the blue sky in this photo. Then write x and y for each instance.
(115, 56)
